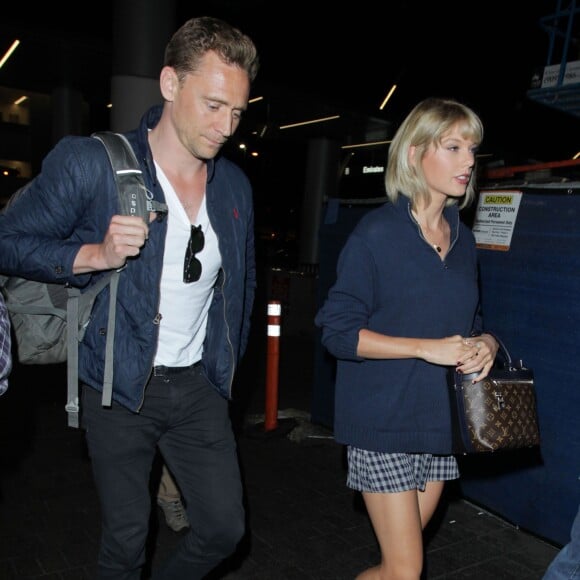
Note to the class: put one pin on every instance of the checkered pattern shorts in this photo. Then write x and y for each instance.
(393, 472)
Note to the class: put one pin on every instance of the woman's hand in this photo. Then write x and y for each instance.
(468, 355)
(479, 356)
(449, 351)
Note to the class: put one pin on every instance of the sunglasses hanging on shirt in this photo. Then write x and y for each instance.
(191, 265)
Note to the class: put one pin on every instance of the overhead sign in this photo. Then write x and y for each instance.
(552, 74)
(495, 219)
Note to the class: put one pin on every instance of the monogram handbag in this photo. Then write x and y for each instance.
(498, 413)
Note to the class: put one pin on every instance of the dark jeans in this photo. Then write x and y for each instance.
(188, 420)
(566, 564)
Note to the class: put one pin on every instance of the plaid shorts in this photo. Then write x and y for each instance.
(393, 472)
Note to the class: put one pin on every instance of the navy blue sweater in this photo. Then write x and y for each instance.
(391, 281)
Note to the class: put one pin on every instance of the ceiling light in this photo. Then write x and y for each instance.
(389, 94)
(369, 144)
(20, 100)
(321, 120)
(9, 52)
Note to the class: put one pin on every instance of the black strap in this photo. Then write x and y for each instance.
(134, 199)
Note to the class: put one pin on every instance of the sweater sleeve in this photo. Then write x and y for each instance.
(348, 305)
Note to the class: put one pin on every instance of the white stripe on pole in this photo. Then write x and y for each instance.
(273, 330)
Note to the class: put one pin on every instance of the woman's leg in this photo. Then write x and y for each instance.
(429, 500)
(398, 521)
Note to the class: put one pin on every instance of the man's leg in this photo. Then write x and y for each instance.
(200, 450)
(169, 500)
(122, 447)
(167, 488)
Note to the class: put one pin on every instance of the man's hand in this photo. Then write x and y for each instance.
(125, 237)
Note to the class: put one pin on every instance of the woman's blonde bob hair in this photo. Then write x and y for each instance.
(426, 125)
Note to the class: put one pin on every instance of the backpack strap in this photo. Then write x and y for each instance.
(72, 398)
(107, 399)
(134, 197)
(78, 307)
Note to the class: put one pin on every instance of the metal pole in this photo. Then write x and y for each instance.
(272, 365)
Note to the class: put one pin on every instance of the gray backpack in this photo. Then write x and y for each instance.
(49, 320)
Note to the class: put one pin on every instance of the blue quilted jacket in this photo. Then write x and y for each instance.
(70, 203)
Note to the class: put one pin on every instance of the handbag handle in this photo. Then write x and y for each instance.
(508, 363)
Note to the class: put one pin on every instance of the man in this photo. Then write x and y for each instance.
(184, 299)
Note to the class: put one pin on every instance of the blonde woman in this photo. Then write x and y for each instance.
(403, 310)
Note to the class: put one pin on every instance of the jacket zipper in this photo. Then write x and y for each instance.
(232, 365)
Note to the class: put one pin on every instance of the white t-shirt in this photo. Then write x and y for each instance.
(184, 307)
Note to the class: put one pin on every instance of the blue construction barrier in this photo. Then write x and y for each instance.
(531, 297)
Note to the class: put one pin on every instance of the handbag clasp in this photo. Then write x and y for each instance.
(499, 399)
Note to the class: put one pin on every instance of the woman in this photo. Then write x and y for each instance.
(402, 312)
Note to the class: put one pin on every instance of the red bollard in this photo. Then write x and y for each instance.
(272, 365)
